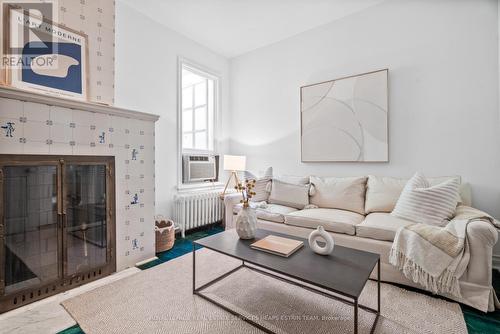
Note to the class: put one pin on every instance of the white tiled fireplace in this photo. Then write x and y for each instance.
(35, 124)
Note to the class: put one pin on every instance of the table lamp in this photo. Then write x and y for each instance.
(234, 164)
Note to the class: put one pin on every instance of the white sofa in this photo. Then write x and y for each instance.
(373, 230)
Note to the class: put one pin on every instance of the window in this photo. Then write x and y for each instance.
(198, 107)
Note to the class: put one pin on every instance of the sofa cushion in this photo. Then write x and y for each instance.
(261, 184)
(382, 192)
(272, 212)
(333, 220)
(293, 179)
(346, 193)
(289, 194)
(422, 203)
(380, 226)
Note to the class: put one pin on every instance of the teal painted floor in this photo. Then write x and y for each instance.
(72, 330)
(477, 322)
(182, 246)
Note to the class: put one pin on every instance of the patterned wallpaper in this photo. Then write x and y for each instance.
(96, 19)
(32, 128)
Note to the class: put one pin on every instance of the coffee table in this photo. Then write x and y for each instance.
(344, 272)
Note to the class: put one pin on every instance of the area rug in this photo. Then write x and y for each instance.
(160, 300)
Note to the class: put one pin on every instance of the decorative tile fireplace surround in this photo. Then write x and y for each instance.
(32, 124)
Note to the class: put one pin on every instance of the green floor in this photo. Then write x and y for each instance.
(181, 246)
(72, 330)
(477, 322)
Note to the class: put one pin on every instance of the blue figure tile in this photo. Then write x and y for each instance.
(102, 138)
(9, 129)
(134, 154)
(135, 244)
(135, 199)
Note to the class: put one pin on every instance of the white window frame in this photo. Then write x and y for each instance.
(203, 71)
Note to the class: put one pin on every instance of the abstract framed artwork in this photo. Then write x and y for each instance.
(346, 119)
(44, 57)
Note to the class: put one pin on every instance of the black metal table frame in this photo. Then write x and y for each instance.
(354, 302)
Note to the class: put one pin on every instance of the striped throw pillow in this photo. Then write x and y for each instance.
(422, 203)
(261, 184)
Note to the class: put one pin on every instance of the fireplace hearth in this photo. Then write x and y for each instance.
(57, 224)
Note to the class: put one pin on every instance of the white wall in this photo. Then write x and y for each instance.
(444, 111)
(146, 80)
(442, 58)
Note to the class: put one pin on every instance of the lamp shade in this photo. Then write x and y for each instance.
(235, 162)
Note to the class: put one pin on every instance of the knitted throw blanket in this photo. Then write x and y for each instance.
(436, 257)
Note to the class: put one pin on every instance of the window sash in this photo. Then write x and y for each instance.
(209, 87)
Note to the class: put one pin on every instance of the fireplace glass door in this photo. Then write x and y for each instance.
(57, 227)
(85, 204)
(31, 248)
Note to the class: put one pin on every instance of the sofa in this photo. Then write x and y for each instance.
(357, 213)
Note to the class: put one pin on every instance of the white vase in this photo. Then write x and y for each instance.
(246, 223)
(321, 235)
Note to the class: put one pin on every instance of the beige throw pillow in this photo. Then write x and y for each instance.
(424, 203)
(289, 194)
(293, 179)
(382, 192)
(345, 193)
(261, 184)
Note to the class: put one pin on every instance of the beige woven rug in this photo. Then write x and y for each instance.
(160, 300)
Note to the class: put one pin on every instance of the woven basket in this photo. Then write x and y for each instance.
(165, 234)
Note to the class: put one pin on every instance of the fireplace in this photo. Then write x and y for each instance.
(57, 224)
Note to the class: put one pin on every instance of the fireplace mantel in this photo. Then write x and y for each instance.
(13, 93)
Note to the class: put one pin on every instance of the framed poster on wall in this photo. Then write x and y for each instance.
(44, 57)
(346, 119)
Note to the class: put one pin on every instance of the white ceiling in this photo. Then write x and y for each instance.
(234, 27)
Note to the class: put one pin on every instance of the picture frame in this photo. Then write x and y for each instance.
(346, 119)
(53, 61)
